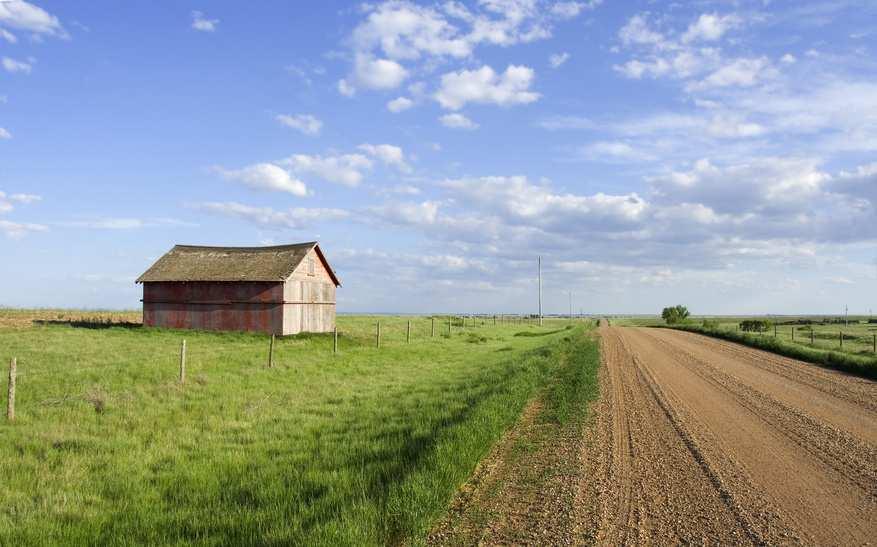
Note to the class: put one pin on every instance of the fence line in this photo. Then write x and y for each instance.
(478, 320)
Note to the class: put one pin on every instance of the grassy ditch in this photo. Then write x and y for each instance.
(361, 448)
(854, 364)
(525, 491)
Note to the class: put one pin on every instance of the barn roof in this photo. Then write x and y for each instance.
(199, 263)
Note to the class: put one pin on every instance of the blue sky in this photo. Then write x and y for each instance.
(717, 154)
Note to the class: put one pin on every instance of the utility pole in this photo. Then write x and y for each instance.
(570, 305)
(540, 290)
(846, 315)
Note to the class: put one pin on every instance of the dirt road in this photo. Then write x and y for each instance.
(698, 440)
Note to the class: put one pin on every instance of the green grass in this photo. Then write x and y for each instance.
(575, 382)
(366, 447)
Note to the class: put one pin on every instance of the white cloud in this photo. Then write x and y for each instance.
(740, 72)
(486, 86)
(396, 34)
(710, 27)
(5, 134)
(399, 104)
(569, 10)
(17, 230)
(732, 127)
(374, 73)
(400, 189)
(201, 23)
(28, 17)
(558, 59)
(387, 154)
(8, 36)
(555, 123)
(307, 124)
(759, 186)
(637, 31)
(295, 218)
(11, 65)
(108, 224)
(683, 57)
(24, 198)
(344, 169)
(424, 213)
(7, 201)
(518, 200)
(345, 88)
(613, 150)
(402, 30)
(457, 121)
(266, 176)
(788, 59)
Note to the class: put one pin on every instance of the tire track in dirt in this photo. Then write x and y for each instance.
(836, 448)
(831, 382)
(650, 483)
(727, 446)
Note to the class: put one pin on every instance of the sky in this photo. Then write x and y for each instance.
(720, 155)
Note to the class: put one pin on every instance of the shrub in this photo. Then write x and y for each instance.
(710, 324)
(675, 314)
(755, 325)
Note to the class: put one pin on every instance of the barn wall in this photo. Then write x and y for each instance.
(309, 299)
(254, 307)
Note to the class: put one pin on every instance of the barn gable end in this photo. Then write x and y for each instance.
(309, 295)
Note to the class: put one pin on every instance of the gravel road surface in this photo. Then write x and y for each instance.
(698, 440)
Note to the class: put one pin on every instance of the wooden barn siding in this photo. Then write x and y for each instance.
(254, 306)
(313, 309)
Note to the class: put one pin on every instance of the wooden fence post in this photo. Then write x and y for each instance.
(449, 325)
(378, 335)
(408, 333)
(271, 352)
(774, 330)
(432, 328)
(183, 362)
(875, 343)
(10, 401)
(841, 339)
(812, 337)
(335, 339)
(793, 334)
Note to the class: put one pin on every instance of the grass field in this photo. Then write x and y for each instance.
(366, 447)
(813, 339)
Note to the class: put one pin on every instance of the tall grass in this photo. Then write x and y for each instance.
(366, 447)
(853, 364)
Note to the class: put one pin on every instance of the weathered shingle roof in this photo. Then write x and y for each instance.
(198, 263)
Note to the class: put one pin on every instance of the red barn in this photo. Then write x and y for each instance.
(280, 290)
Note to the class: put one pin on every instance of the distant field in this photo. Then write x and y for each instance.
(808, 338)
(858, 334)
(364, 447)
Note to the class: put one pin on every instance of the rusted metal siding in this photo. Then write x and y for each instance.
(305, 302)
(253, 306)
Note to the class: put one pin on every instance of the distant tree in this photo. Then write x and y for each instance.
(755, 325)
(675, 314)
